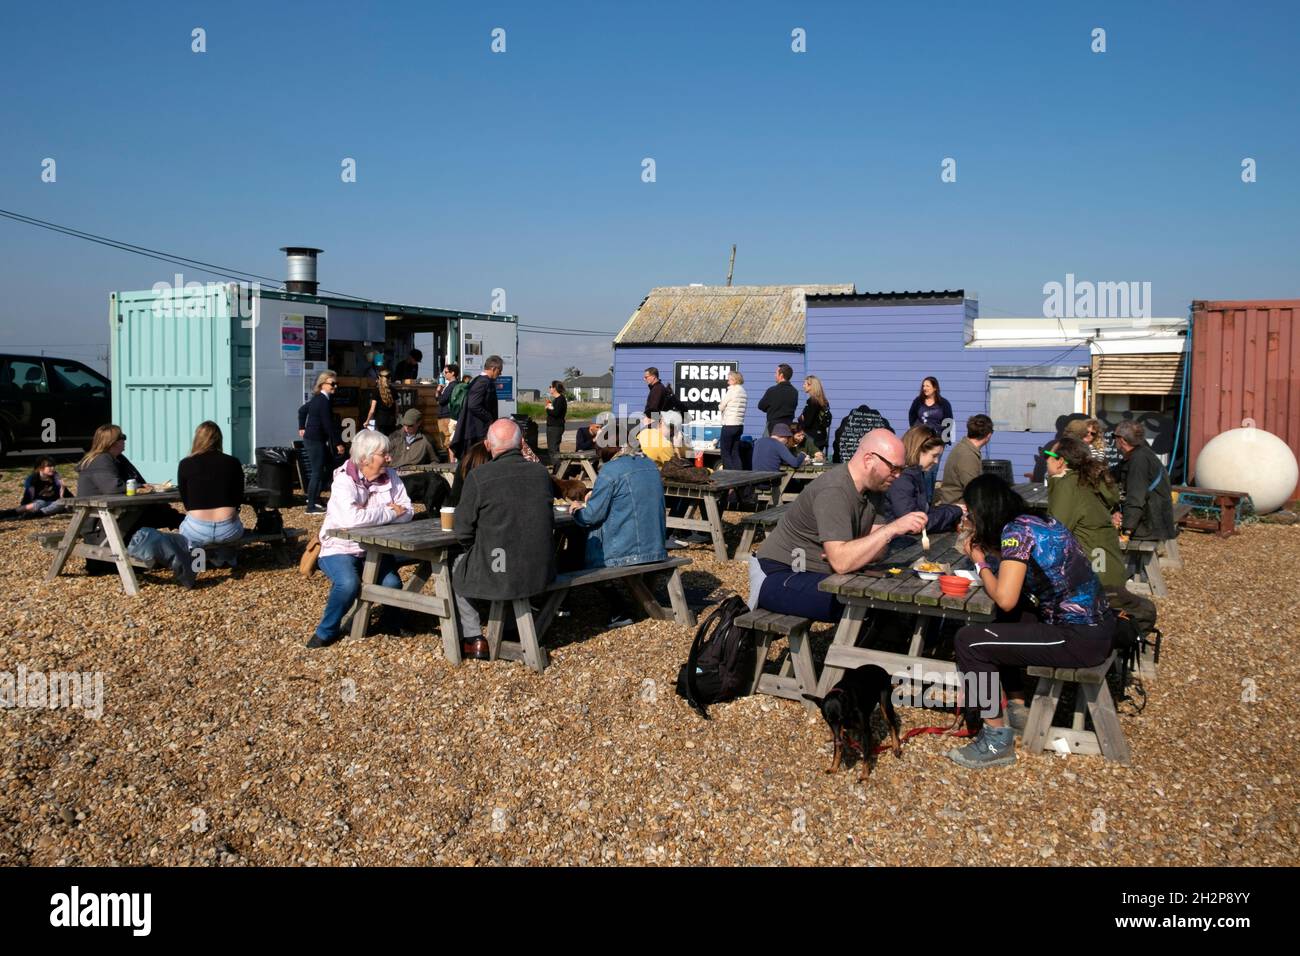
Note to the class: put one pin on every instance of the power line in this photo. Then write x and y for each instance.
(210, 268)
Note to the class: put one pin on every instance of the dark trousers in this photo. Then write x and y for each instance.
(554, 438)
(320, 462)
(730, 443)
(786, 591)
(1002, 648)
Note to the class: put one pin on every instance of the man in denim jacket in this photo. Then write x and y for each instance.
(624, 513)
(624, 518)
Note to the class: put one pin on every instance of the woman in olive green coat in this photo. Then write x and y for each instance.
(1083, 496)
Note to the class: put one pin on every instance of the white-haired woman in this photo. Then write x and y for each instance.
(365, 492)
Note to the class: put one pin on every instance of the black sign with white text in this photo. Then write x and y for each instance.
(699, 387)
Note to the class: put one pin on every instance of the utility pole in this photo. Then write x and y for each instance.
(732, 266)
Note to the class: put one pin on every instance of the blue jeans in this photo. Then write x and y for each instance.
(206, 534)
(344, 572)
(42, 507)
(320, 464)
(156, 548)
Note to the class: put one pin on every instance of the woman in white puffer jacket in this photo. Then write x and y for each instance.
(734, 404)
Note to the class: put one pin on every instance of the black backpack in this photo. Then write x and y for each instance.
(721, 663)
(1129, 643)
(671, 402)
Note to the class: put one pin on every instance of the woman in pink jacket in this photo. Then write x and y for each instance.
(365, 492)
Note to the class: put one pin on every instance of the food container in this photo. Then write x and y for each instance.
(929, 575)
(954, 585)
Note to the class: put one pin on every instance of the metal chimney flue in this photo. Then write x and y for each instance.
(301, 265)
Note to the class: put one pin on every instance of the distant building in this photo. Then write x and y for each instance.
(590, 388)
(530, 395)
(1030, 375)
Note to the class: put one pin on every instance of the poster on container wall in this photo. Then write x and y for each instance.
(293, 339)
(282, 376)
(699, 387)
(480, 338)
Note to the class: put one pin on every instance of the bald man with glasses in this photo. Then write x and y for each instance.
(828, 530)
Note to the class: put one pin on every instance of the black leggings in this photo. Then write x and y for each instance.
(990, 649)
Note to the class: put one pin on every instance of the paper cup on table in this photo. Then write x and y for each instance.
(448, 516)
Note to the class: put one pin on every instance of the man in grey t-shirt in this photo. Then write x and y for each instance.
(829, 531)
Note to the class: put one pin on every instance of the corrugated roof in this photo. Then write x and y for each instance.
(723, 315)
(948, 296)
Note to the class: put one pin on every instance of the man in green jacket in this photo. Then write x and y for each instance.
(965, 463)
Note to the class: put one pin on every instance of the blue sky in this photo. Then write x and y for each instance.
(522, 170)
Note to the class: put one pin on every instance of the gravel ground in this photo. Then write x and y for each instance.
(224, 741)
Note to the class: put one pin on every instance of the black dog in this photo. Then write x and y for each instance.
(850, 703)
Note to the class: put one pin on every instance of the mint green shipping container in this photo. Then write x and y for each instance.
(180, 356)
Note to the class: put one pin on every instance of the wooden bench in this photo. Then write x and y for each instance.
(1208, 499)
(751, 523)
(50, 540)
(798, 674)
(1091, 692)
(531, 630)
(1144, 560)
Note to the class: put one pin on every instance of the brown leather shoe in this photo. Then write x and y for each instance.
(475, 650)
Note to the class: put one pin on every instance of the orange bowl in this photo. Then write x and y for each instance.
(954, 585)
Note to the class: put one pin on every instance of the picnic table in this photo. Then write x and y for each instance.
(1034, 493)
(445, 468)
(1220, 505)
(434, 549)
(1145, 556)
(803, 474)
(874, 588)
(563, 461)
(420, 541)
(711, 496)
(108, 508)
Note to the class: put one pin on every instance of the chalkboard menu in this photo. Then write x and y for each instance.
(853, 426)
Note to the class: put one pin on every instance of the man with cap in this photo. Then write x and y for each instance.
(774, 451)
(410, 446)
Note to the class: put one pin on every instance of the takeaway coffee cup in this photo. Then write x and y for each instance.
(448, 516)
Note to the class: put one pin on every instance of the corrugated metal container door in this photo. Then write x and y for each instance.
(1245, 365)
(172, 367)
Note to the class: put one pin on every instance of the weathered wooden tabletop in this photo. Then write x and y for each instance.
(724, 480)
(252, 494)
(415, 535)
(1034, 493)
(905, 591)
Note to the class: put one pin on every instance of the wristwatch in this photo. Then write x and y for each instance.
(981, 566)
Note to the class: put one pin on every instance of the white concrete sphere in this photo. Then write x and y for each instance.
(1250, 460)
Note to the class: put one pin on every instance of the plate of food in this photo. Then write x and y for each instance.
(929, 570)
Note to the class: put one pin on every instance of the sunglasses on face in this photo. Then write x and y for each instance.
(893, 469)
(1052, 454)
